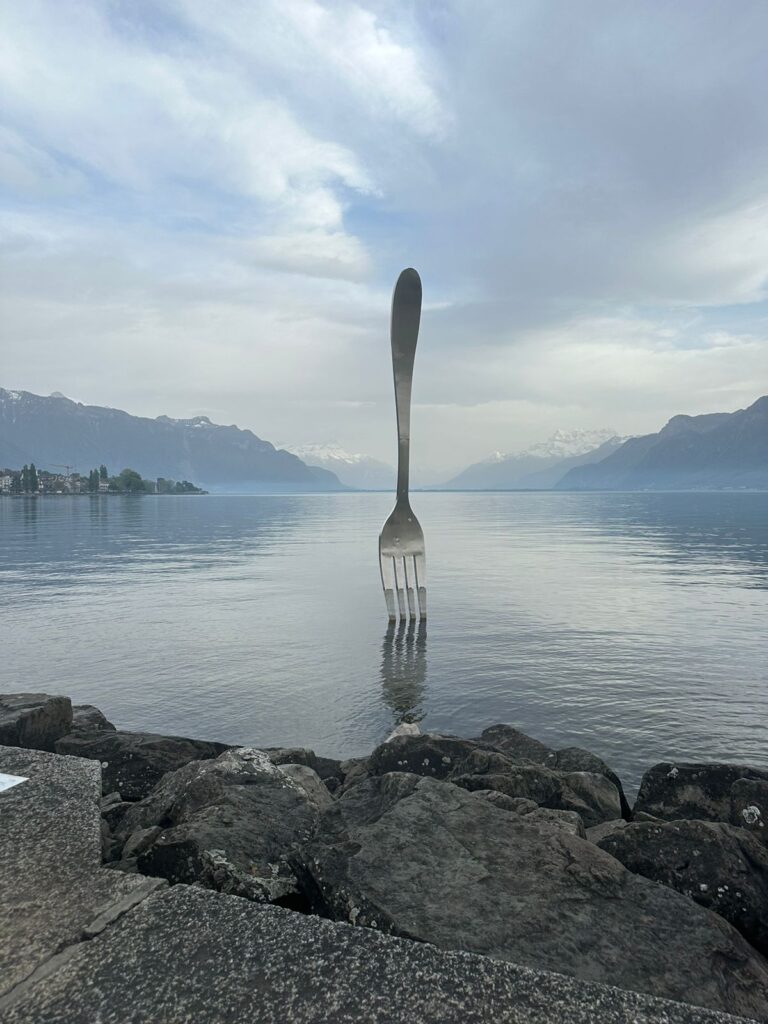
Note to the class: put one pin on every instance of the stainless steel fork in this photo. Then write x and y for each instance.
(401, 543)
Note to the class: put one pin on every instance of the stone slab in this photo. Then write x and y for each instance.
(53, 889)
(187, 956)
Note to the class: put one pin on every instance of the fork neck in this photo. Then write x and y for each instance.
(403, 459)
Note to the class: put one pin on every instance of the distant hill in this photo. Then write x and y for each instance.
(54, 430)
(354, 470)
(539, 466)
(714, 451)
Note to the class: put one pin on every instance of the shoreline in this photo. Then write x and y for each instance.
(474, 845)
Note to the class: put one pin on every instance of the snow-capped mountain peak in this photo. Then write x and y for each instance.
(563, 444)
(567, 443)
(354, 469)
(329, 451)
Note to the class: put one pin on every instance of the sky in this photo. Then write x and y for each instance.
(205, 205)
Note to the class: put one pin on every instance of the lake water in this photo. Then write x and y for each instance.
(630, 624)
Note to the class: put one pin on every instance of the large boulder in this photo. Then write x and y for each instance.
(592, 797)
(520, 747)
(606, 828)
(576, 759)
(229, 824)
(423, 859)
(474, 765)
(33, 720)
(437, 757)
(133, 762)
(749, 807)
(87, 718)
(327, 768)
(719, 866)
(517, 744)
(702, 792)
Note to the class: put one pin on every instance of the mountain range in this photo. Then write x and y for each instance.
(714, 451)
(354, 470)
(54, 430)
(540, 466)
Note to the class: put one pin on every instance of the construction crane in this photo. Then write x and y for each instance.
(61, 465)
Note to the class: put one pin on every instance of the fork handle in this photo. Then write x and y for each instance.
(404, 333)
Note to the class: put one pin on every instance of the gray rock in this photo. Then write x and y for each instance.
(33, 720)
(138, 842)
(574, 759)
(515, 804)
(605, 828)
(566, 821)
(719, 866)
(87, 718)
(327, 768)
(749, 807)
(698, 791)
(310, 782)
(475, 765)
(420, 858)
(600, 799)
(591, 796)
(519, 746)
(114, 812)
(228, 824)
(404, 729)
(437, 757)
(352, 771)
(134, 762)
(107, 841)
(569, 821)
(128, 865)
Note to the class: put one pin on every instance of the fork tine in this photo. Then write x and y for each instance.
(400, 590)
(409, 593)
(420, 570)
(389, 582)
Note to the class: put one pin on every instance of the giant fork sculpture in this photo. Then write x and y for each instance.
(401, 543)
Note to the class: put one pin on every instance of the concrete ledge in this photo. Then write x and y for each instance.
(188, 956)
(53, 889)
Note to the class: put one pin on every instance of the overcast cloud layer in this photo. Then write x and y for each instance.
(205, 206)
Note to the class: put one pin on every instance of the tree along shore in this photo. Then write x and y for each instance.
(31, 481)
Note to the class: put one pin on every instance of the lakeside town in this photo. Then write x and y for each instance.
(30, 481)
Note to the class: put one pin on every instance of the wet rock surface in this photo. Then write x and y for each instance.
(229, 824)
(519, 746)
(700, 792)
(749, 807)
(327, 768)
(607, 828)
(422, 859)
(719, 866)
(87, 718)
(476, 765)
(133, 762)
(34, 721)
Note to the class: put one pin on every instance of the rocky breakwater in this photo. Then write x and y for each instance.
(496, 845)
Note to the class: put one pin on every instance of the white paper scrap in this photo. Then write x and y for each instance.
(6, 781)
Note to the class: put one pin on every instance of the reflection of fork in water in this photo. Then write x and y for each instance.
(404, 669)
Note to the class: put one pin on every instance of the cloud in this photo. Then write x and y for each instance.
(206, 204)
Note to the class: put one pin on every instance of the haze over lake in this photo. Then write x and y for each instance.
(630, 624)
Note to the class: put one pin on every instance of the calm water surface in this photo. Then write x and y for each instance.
(631, 624)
